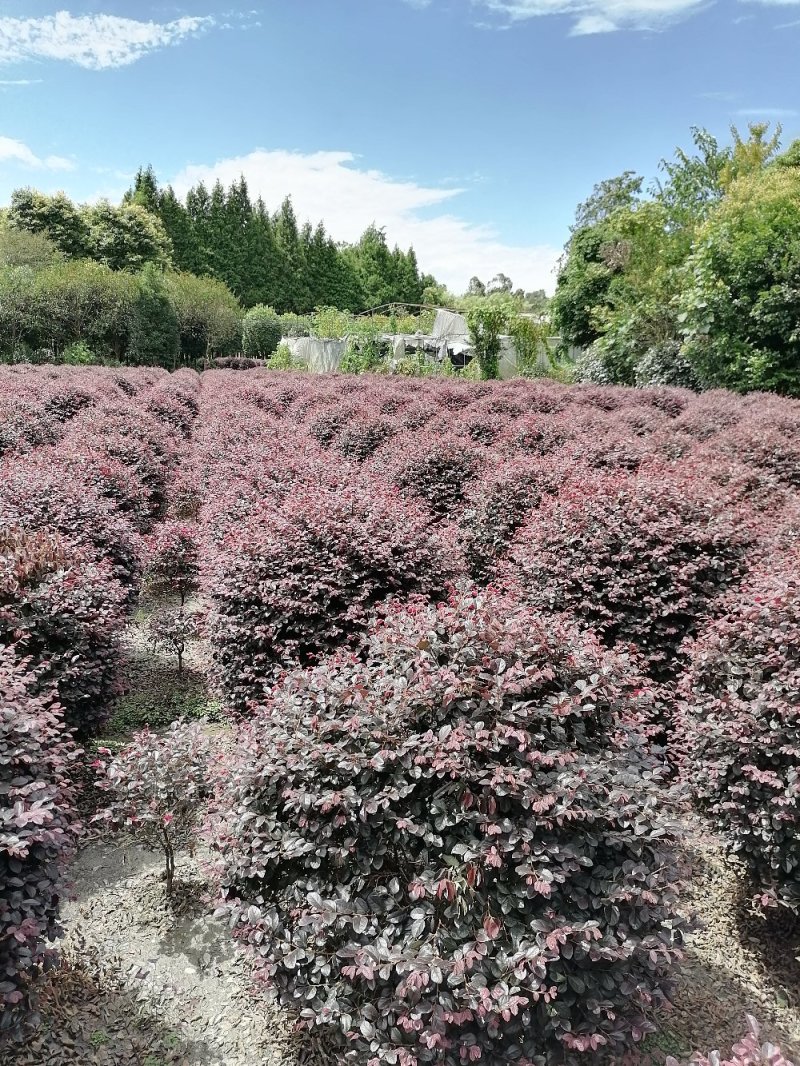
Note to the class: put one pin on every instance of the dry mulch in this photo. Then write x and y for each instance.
(736, 961)
(90, 1018)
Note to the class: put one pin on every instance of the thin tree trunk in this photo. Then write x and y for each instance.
(170, 860)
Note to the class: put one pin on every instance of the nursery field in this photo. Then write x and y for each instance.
(396, 721)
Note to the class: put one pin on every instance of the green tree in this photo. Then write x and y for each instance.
(500, 283)
(293, 293)
(155, 332)
(21, 248)
(345, 288)
(209, 316)
(18, 307)
(405, 277)
(530, 342)
(750, 155)
(536, 302)
(263, 258)
(198, 207)
(608, 197)
(740, 312)
(145, 191)
(373, 263)
(261, 332)
(436, 294)
(80, 300)
(56, 217)
(127, 237)
(486, 322)
(790, 158)
(594, 256)
(237, 217)
(624, 268)
(178, 226)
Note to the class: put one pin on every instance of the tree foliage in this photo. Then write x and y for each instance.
(740, 311)
(261, 332)
(271, 258)
(692, 284)
(486, 322)
(155, 332)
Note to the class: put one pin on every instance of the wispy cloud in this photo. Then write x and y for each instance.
(767, 112)
(602, 16)
(12, 151)
(348, 198)
(723, 95)
(6, 83)
(95, 42)
(781, 4)
(595, 16)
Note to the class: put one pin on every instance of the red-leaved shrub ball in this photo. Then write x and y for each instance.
(738, 741)
(456, 849)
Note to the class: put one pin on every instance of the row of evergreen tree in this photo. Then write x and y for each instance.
(268, 258)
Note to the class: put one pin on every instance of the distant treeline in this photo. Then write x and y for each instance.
(155, 280)
(267, 258)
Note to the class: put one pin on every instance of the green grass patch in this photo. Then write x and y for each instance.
(157, 705)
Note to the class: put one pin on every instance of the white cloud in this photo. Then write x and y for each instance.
(6, 82)
(598, 16)
(588, 24)
(328, 186)
(95, 42)
(12, 151)
(767, 112)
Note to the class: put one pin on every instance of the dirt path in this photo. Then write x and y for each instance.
(736, 962)
(178, 961)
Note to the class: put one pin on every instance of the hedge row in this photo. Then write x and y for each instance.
(72, 511)
(37, 829)
(70, 549)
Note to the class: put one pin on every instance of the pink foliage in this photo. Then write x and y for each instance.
(750, 1051)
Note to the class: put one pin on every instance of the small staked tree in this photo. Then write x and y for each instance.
(156, 788)
(486, 322)
(173, 563)
(172, 631)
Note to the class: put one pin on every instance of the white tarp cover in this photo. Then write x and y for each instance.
(319, 355)
(450, 326)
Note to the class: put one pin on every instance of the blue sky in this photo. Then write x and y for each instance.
(470, 128)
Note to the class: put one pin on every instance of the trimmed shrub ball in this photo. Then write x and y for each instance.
(638, 558)
(37, 826)
(41, 495)
(62, 611)
(455, 850)
(739, 734)
(497, 505)
(436, 469)
(299, 577)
